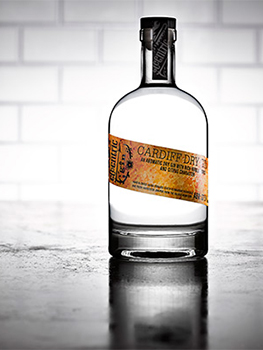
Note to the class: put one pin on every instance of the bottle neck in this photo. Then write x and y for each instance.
(158, 58)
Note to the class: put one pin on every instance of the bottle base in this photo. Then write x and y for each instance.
(158, 243)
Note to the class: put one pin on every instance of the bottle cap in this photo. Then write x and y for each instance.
(151, 26)
(149, 22)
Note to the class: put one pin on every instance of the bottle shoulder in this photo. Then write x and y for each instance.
(154, 97)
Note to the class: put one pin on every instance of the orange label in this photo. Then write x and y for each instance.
(158, 170)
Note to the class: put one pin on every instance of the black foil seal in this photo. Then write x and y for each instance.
(160, 50)
(159, 26)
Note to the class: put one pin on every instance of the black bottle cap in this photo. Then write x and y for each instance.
(148, 22)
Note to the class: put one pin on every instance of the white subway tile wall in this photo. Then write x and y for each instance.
(64, 64)
(26, 163)
(9, 124)
(28, 84)
(242, 12)
(100, 11)
(26, 11)
(218, 46)
(8, 44)
(60, 45)
(189, 11)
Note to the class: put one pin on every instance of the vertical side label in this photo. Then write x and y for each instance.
(160, 51)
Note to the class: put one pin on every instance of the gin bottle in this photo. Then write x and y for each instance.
(158, 160)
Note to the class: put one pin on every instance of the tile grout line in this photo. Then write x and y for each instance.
(19, 131)
(60, 73)
(218, 13)
(60, 12)
(21, 35)
(258, 47)
(100, 44)
(258, 122)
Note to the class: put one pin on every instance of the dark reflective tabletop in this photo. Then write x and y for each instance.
(59, 288)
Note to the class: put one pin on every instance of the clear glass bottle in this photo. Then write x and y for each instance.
(149, 220)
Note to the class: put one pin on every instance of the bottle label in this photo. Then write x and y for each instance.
(158, 170)
(160, 50)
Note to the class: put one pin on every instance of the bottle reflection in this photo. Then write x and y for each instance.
(158, 305)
